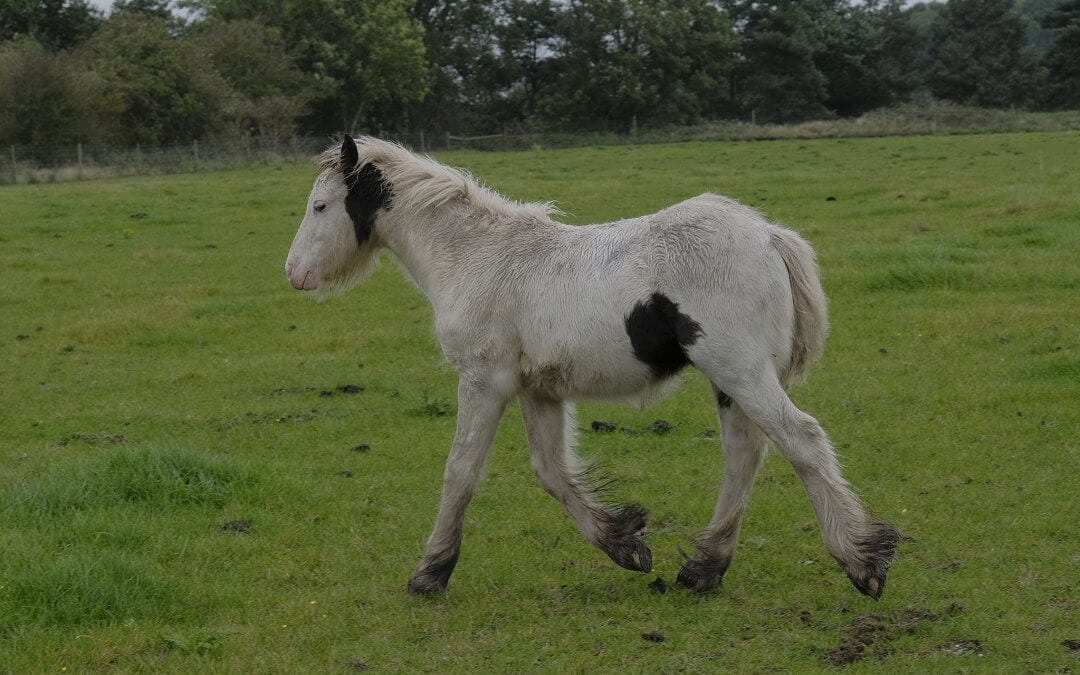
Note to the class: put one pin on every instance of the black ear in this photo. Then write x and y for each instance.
(349, 155)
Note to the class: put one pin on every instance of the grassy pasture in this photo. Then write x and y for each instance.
(190, 482)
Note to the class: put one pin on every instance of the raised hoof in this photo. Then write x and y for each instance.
(701, 575)
(634, 555)
(877, 550)
(624, 538)
(430, 578)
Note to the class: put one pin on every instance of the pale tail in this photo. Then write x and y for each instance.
(811, 308)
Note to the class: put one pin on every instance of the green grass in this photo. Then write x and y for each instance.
(185, 485)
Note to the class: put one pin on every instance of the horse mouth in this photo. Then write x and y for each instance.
(303, 280)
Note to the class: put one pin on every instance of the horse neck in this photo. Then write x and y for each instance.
(430, 245)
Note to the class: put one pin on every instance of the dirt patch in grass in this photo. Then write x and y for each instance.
(269, 418)
(964, 647)
(653, 636)
(236, 526)
(93, 439)
(870, 634)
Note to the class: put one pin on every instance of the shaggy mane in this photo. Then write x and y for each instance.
(421, 184)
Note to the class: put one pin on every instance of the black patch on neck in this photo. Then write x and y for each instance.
(368, 192)
(660, 334)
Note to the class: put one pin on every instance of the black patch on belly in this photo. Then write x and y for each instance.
(660, 334)
(368, 192)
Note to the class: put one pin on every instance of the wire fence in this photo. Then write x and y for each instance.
(78, 161)
(21, 164)
(85, 161)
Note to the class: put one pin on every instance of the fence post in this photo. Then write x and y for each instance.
(422, 149)
(14, 171)
(447, 140)
(79, 149)
(195, 146)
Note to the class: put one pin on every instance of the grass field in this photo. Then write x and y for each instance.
(203, 470)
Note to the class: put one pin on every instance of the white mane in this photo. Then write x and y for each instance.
(420, 184)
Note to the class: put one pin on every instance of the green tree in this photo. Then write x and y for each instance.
(158, 9)
(779, 81)
(464, 66)
(55, 24)
(653, 62)
(272, 93)
(866, 52)
(1062, 59)
(163, 89)
(366, 55)
(48, 99)
(979, 56)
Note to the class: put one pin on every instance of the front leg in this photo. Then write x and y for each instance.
(480, 405)
(615, 530)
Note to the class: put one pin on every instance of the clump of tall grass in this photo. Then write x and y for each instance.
(54, 573)
(82, 586)
(159, 477)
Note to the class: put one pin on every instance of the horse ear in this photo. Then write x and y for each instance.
(349, 155)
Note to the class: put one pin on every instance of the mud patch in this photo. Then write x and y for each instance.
(284, 391)
(93, 439)
(269, 418)
(964, 647)
(600, 425)
(659, 586)
(653, 636)
(236, 526)
(869, 635)
(661, 427)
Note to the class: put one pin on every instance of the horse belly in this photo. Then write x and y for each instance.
(601, 366)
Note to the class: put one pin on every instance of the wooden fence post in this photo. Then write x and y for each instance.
(195, 146)
(79, 149)
(14, 171)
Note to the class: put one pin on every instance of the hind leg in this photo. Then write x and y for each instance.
(863, 547)
(616, 530)
(744, 450)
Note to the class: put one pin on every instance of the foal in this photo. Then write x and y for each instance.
(526, 306)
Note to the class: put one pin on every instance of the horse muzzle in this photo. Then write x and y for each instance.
(302, 278)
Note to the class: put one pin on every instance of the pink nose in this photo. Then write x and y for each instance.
(301, 278)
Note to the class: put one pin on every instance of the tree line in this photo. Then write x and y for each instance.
(155, 72)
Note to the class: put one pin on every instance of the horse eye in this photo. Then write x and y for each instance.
(319, 208)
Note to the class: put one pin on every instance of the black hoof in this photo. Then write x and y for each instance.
(876, 551)
(432, 577)
(701, 574)
(624, 538)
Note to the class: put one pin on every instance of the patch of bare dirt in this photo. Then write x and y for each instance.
(235, 526)
(869, 635)
(93, 439)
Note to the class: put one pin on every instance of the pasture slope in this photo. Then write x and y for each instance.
(204, 470)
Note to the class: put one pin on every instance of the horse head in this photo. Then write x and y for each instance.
(337, 244)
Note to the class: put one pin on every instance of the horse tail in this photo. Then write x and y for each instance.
(811, 307)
